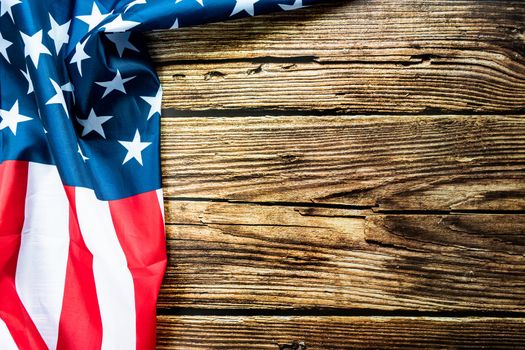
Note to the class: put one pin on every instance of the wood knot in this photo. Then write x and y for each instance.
(295, 345)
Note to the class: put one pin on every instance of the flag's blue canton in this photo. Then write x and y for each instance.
(77, 89)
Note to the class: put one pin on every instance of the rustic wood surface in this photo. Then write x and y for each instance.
(351, 175)
(388, 162)
(226, 255)
(287, 333)
(353, 56)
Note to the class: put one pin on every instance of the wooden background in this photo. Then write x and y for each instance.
(346, 176)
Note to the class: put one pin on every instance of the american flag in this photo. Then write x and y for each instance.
(82, 244)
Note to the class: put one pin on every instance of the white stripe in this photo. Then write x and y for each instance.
(160, 197)
(6, 340)
(42, 260)
(113, 280)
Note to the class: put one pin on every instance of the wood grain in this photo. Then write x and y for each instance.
(350, 30)
(228, 255)
(359, 157)
(389, 163)
(352, 57)
(331, 333)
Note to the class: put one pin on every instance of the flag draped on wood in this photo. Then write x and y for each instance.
(82, 245)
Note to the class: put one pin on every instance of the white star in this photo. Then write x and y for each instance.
(119, 25)
(33, 47)
(134, 3)
(94, 123)
(84, 158)
(59, 33)
(121, 41)
(244, 5)
(5, 6)
(298, 4)
(134, 148)
(175, 24)
(11, 118)
(116, 84)
(154, 102)
(68, 87)
(29, 81)
(4, 44)
(58, 98)
(94, 18)
(199, 1)
(79, 55)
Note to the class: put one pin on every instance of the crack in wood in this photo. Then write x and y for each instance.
(214, 75)
(373, 208)
(290, 60)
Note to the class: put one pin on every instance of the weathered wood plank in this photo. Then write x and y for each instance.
(226, 255)
(417, 163)
(355, 56)
(330, 333)
(352, 31)
(348, 88)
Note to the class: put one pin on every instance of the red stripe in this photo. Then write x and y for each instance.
(80, 323)
(140, 230)
(13, 187)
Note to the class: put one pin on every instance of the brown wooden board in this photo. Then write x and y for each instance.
(332, 166)
(227, 255)
(390, 163)
(352, 57)
(331, 333)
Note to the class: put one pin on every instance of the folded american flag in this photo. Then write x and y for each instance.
(82, 245)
